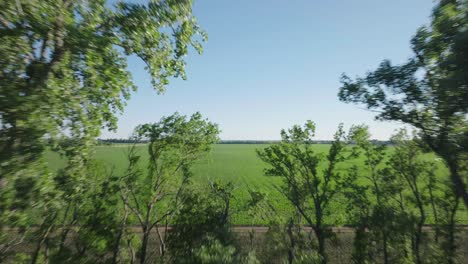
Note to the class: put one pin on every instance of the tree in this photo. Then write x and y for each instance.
(449, 204)
(63, 68)
(363, 208)
(288, 242)
(63, 75)
(412, 171)
(386, 199)
(99, 218)
(309, 188)
(202, 217)
(154, 195)
(203, 222)
(64, 63)
(429, 91)
(359, 210)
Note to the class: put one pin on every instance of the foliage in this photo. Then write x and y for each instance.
(287, 243)
(202, 220)
(152, 196)
(63, 69)
(369, 205)
(390, 209)
(308, 188)
(241, 165)
(429, 91)
(201, 227)
(414, 173)
(214, 252)
(64, 77)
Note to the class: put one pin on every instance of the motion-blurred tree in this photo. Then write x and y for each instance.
(63, 74)
(430, 91)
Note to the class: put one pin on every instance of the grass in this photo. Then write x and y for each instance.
(239, 164)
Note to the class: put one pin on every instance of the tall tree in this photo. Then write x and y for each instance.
(369, 213)
(63, 74)
(413, 173)
(153, 195)
(429, 91)
(309, 187)
(63, 70)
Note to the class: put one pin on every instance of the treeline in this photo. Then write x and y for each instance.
(109, 141)
(130, 140)
(387, 197)
(121, 141)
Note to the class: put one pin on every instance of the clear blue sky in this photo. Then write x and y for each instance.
(269, 64)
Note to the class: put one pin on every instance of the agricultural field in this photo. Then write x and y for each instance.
(239, 164)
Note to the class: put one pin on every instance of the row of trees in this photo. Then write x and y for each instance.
(132, 140)
(389, 195)
(64, 77)
(113, 218)
(429, 91)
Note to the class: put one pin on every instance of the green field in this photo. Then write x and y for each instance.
(239, 164)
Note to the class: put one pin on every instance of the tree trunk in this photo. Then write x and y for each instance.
(434, 213)
(162, 244)
(46, 226)
(46, 251)
(144, 244)
(458, 184)
(116, 249)
(385, 247)
(320, 234)
(418, 235)
(360, 254)
(451, 243)
(292, 243)
(65, 229)
(132, 252)
(36, 252)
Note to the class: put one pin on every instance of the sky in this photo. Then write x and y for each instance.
(271, 64)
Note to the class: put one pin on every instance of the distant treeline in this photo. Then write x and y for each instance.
(120, 141)
(132, 141)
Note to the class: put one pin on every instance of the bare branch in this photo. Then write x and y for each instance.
(136, 212)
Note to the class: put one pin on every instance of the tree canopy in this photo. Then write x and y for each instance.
(63, 65)
(429, 91)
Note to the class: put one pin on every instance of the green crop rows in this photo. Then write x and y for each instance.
(239, 164)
